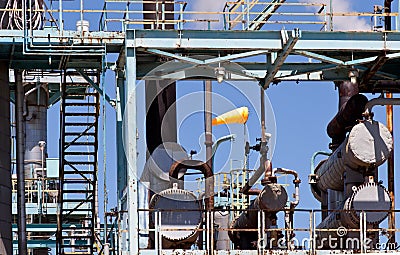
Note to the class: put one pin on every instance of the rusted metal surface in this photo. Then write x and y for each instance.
(208, 138)
(272, 199)
(197, 165)
(390, 170)
(351, 107)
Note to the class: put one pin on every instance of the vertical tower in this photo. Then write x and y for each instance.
(5, 162)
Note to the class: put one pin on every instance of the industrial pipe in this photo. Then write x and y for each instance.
(265, 169)
(272, 199)
(379, 101)
(390, 171)
(220, 140)
(20, 136)
(289, 213)
(296, 183)
(367, 145)
(208, 141)
(314, 156)
(347, 117)
(197, 165)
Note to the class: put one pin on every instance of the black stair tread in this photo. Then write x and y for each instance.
(76, 200)
(80, 104)
(77, 209)
(79, 228)
(77, 245)
(81, 94)
(78, 124)
(76, 181)
(84, 114)
(80, 143)
(79, 153)
(78, 191)
(79, 133)
(68, 172)
(70, 162)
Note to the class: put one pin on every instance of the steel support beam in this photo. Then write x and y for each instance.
(207, 61)
(370, 72)
(96, 87)
(195, 40)
(129, 129)
(288, 45)
(320, 57)
(20, 136)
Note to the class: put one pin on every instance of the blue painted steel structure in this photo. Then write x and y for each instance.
(375, 56)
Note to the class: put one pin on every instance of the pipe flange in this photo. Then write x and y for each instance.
(180, 209)
(369, 196)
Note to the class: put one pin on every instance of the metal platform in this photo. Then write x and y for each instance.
(296, 54)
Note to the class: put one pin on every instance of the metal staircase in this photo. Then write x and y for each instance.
(78, 170)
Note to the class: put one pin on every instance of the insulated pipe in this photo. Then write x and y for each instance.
(197, 165)
(20, 136)
(349, 113)
(344, 120)
(368, 145)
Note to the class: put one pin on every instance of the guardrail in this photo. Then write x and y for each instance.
(303, 235)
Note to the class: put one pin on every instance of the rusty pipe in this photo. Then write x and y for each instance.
(347, 117)
(296, 183)
(390, 171)
(265, 168)
(204, 168)
(388, 18)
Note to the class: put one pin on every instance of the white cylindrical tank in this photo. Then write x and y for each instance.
(368, 145)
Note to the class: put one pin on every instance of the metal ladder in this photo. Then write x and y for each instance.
(78, 170)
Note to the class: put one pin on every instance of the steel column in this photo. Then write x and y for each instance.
(131, 149)
(390, 172)
(20, 135)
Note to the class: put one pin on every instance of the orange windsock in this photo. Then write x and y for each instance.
(238, 115)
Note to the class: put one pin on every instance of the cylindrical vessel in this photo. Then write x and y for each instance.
(35, 112)
(181, 217)
(272, 199)
(368, 144)
(221, 219)
(366, 197)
